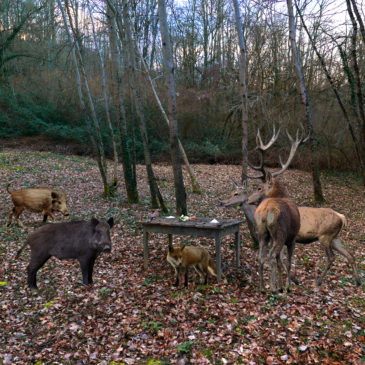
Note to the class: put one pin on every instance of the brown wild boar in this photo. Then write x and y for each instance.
(81, 240)
(37, 200)
(181, 258)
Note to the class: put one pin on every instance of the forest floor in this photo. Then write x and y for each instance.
(133, 316)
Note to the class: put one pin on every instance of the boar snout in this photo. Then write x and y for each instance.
(107, 249)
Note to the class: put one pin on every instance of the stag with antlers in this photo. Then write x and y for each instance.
(316, 224)
(277, 217)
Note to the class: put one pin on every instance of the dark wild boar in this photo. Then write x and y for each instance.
(81, 240)
(37, 200)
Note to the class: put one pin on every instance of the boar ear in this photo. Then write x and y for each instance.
(94, 221)
(111, 222)
(54, 195)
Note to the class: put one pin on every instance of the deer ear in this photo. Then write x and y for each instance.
(182, 248)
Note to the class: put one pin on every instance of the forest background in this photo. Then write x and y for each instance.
(38, 82)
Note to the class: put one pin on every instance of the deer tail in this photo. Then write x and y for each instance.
(343, 218)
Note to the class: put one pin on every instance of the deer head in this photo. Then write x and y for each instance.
(238, 196)
(270, 186)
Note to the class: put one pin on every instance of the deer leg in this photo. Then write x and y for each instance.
(280, 267)
(262, 257)
(289, 278)
(274, 257)
(330, 259)
(337, 245)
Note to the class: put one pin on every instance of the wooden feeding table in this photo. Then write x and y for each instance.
(199, 227)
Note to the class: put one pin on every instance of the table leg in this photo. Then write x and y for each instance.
(218, 256)
(145, 249)
(238, 243)
(170, 240)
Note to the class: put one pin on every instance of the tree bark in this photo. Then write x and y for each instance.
(114, 183)
(129, 178)
(243, 85)
(194, 181)
(97, 144)
(180, 194)
(318, 195)
(156, 197)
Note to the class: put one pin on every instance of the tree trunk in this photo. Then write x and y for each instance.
(194, 181)
(318, 195)
(129, 178)
(156, 197)
(114, 183)
(180, 193)
(355, 139)
(97, 144)
(243, 85)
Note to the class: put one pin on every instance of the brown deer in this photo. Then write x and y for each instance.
(277, 217)
(316, 224)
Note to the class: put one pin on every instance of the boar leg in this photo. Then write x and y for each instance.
(87, 265)
(10, 216)
(36, 262)
(47, 213)
(90, 269)
(16, 211)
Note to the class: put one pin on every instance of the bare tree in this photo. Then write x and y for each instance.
(156, 197)
(79, 65)
(129, 177)
(318, 195)
(357, 141)
(243, 85)
(180, 193)
(194, 181)
(106, 102)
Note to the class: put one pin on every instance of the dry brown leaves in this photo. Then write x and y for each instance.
(133, 316)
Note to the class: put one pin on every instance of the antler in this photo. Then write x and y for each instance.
(261, 147)
(294, 145)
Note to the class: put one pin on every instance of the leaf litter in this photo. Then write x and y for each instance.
(133, 316)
